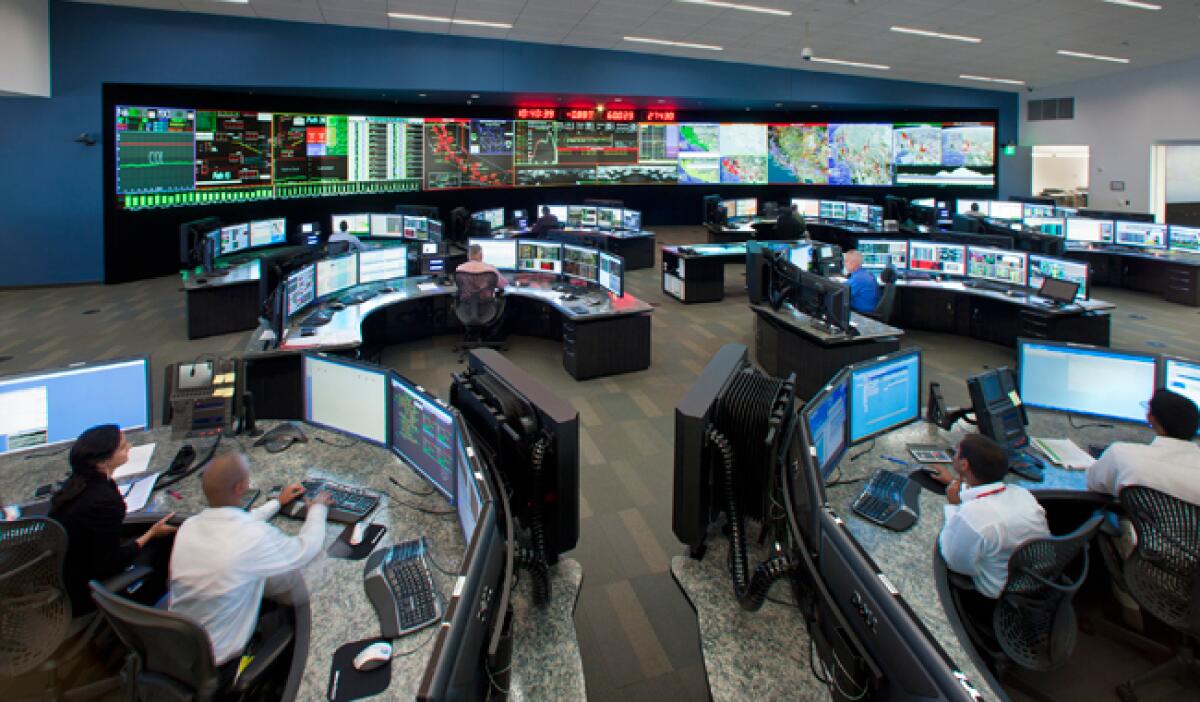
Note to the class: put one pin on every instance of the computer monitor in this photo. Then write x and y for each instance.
(435, 230)
(493, 216)
(387, 226)
(932, 257)
(559, 212)
(1185, 239)
(923, 202)
(1065, 211)
(581, 262)
(858, 212)
(822, 299)
(1089, 231)
(832, 209)
(336, 274)
(300, 288)
(268, 232)
(608, 218)
(875, 217)
(1145, 235)
(470, 484)
(1085, 379)
(416, 227)
(806, 207)
(825, 424)
(975, 207)
(731, 207)
(884, 394)
(382, 264)
(800, 256)
(234, 238)
(1050, 226)
(612, 273)
(747, 207)
(1030, 210)
(423, 435)
(1042, 267)
(1181, 376)
(54, 406)
(1006, 210)
(998, 265)
(310, 233)
(880, 253)
(501, 253)
(346, 395)
(631, 220)
(539, 256)
(356, 224)
(581, 216)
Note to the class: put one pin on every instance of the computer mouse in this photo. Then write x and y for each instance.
(356, 536)
(373, 656)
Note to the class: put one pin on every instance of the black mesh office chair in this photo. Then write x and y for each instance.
(479, 306)
(1163, 574)
(171, 658)
(887, 299)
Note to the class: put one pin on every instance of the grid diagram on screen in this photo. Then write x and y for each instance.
(579, 262)
(423, 434)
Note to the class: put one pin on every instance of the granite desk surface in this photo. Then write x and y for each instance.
(244, 272)
(546, 659)
(1016, 295)
(907, 558)
(868, 329)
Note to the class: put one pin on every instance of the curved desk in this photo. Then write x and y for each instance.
(546, 659)
(637, 248)
(1174, 275)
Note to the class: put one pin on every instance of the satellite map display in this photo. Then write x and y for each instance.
(798, 153)
(918, 144)
(743, 153)
(862, 154)
(968, 145)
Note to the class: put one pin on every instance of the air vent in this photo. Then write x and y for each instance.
(1054, 108)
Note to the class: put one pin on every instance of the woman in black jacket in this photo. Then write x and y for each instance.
(90, 508)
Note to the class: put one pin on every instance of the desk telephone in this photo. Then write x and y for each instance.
(202, 398)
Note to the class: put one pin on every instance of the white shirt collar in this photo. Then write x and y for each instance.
(1171, 441)
(978, 491)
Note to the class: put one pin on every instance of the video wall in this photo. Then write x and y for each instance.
(171, 157)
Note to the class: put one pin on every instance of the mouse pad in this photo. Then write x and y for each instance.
(346, 683)
(925, 480)
(341, 548)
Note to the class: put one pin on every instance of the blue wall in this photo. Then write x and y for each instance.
(51, 229)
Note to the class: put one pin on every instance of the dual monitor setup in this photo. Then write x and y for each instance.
(840, 211)
(569, 216)
(984, 265)
(327, 277)
(571, 262)
(388, 226)
(1064, 223)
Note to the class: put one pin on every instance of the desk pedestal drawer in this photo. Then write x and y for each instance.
(606, 347)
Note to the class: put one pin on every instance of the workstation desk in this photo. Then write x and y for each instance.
(336, 610)
(1173, 275)
(756, 228)
(696, 272)
(225, 303)
(637, 248)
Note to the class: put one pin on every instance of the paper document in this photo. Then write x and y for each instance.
(1065, 453)
(139, 461)
(427, 286)
(137, 493)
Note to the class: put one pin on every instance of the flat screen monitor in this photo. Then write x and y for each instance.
(501, 253)
(747, 207)
(998, 265)
(382, 264)
(470, 489)
(875, 217)
(387, 226)
(301, 288)
(55, 406)
(234, 238)
(880, 253)
(1065, 211)
(806, 207)
(539, 256)
(416, 227)
(858, 212)
(1050, 226)
(884, 394)
(976, 207)
(800, 256)
(923, 202)
(1042, 267)
(268, 232)
(832, 209)
(1030, 210)
(631, 220)
(493, 216)
(1085, 379)
(1186, 239)
(608, 218)
(581, 262)
(356, 224)
(336, 274)
(1183, 377)
(435, 230)
(612, 273)
(559, 212)
(1089, 231)
(730, 208)
(1006, 210)
(581, 216)
(931, 257)
(825, 417)
(423, 435)
(1145, 235)
(346, 396)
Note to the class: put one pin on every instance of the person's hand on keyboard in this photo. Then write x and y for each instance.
(322, 498)
(290, 493)
(940, 473)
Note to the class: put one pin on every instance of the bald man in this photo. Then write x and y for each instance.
(864, 290)
(225, 558)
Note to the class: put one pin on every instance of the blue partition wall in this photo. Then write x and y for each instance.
(52, 228)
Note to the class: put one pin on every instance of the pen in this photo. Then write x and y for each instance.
(893, 459)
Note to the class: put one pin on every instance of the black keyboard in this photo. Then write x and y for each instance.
(350, 504)
(317, 318)
(357, 297)
(889, 499)
(400, 587)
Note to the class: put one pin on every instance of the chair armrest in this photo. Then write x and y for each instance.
(127, 579)
(268, 651)
(960, 581)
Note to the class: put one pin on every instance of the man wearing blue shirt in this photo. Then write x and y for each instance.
(864, 290)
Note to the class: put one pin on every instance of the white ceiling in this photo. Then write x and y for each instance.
(1020, 37)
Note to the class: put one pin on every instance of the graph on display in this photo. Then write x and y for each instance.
(233, 149)
(156, 149)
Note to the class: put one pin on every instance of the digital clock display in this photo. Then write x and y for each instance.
(535, 113)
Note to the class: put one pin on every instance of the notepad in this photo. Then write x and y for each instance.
(137, 493)
(427, 286)
(1064, 452)
(139, 461)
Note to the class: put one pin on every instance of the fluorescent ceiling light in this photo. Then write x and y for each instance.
(986, 79)
(852, 64)
(1094, 57)
(937, 35)
(739, 6)
(450, 20)
(1135, 3)
(666, 42)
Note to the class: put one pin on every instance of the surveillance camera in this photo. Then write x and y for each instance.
(806, 54)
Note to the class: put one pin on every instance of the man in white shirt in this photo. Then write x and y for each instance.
(225, 558)
(987, 520)
(1169, 464)
(343, 234)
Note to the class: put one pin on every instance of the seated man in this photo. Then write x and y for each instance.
(343, 234)
(864, 290)
(475, 264)
(1169, 464)
(545, 223)
(989, 519)
(790, 225)
(225, 558)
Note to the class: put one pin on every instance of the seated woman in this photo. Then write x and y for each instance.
(91, 510)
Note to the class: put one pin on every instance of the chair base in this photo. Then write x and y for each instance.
(1184, 663)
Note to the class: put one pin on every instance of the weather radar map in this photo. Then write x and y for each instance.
(798, 153)
(702, 138)
(968, 146)
(743, 153)
(862, 154)
(918, 145)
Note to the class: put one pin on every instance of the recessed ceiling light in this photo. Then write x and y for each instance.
(779, 104)
(667, 42)
(450, 20)
(1094, 57)
(986, 79)
(421, 95)
(739, 6)
(474, 96)
(852, 64)
(1135, 3)
(937, 35)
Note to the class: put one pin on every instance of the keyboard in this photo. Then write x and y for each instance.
(357, 297)
(890, 500)
(398, 583)
(317, 318)
(350, 504)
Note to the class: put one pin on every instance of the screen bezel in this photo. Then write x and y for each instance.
(455, 420)
(1160, 380)
(992, 249)
(375, 251)
(539, 242)
(880, 360)
(565, 274)
(1166, 235)
(357, 365)
(842, 378)
(317, 272)
(1085, 289)
(1023, 343)
(962, 248)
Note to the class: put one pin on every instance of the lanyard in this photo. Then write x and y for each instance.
(997, 491)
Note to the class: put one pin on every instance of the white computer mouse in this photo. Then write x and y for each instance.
(360, 530)
(373, 656)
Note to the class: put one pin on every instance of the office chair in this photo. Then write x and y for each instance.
(1163, 575)
(887, 300)
(171, 658)
(479, 305)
